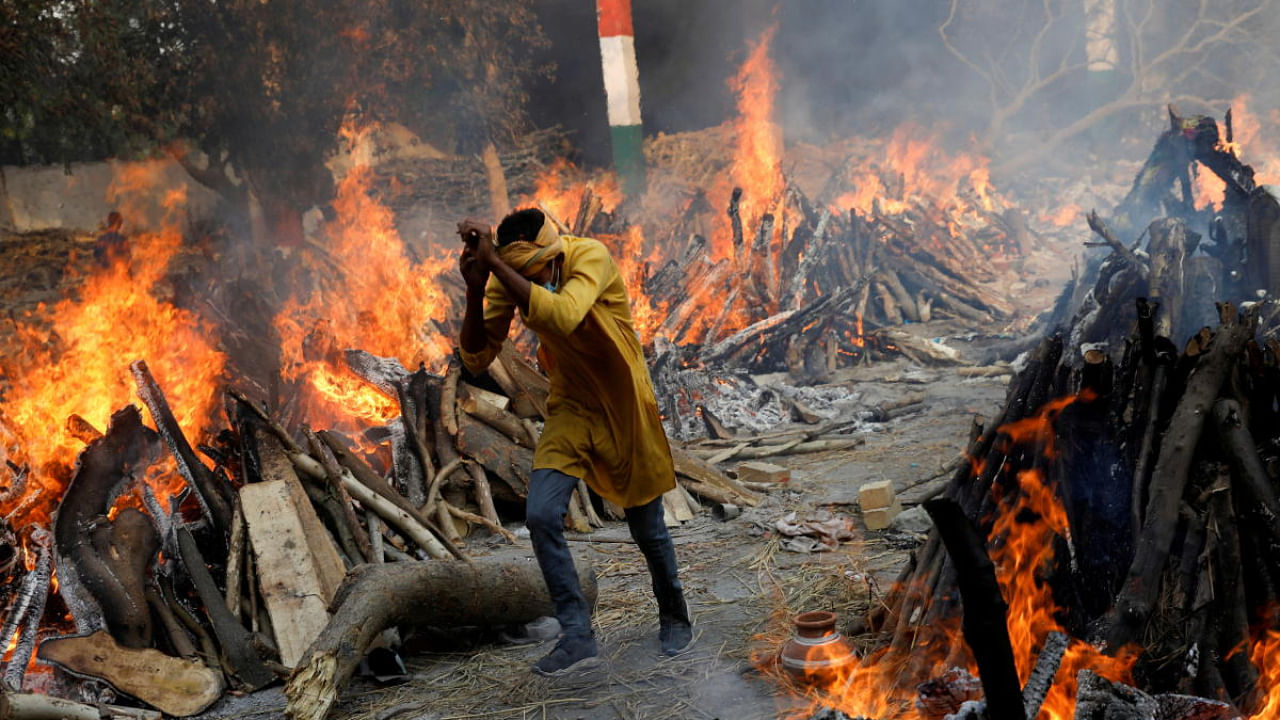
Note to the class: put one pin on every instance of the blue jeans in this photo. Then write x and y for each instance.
(549, 495)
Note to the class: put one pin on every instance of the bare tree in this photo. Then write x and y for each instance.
(1197, 54)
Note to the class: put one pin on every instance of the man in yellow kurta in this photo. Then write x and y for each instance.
(603, 424)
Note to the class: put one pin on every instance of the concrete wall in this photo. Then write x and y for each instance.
(149, 194)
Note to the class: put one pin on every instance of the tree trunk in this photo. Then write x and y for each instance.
(488, 591)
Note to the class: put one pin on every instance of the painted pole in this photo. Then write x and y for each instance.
(622, 91)
(1102, 56)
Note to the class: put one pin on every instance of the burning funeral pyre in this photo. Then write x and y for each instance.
(1110, 548)
(204, 546)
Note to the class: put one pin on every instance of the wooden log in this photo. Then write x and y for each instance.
(276, 468)
(1229, 593)
(588, 207)
(126, 546)
(714, 425)
(496, 452)
(1041, 680)
(1252, 480)
(1150, 400)
(82, 429)
(448, 413)
(25, 706)
(674, 502)
(496, 418)
(888, 306)
(406, 465)
(717, 494)
(584, 494)
(524, 403)
(905, 302)
(28, 611)
(1137, 597)
(690, 466)
(527, 377)
(208, 652)
(574, 518)
(96, 594)
(985, 628)
(235, 558)
(401, 519)
(735, 219)
(360, 471)
(376, 540)
(213, 496)
(496, 528)
(418, 469)
(237, 649)
(179, 639)
(175, 686)
(1168, 248)
(298, 566)
(1122, 251)
(483, 493)
(334, 498)
(486, 592)
(795, 447)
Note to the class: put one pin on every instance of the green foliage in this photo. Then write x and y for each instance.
(261, 86)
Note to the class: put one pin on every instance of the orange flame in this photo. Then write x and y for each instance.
(1252, 145)
(1066, 215)
(757, 153)
(381, 301)
(1266, 658)
(75, 356)
(915, 167)
(1029, 517)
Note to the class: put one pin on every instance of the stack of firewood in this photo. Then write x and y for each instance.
(232, 580)
(834, 289)
(1167, 463)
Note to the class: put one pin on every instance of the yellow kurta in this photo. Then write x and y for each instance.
(603, 423)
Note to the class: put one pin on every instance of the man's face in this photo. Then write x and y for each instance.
(543, 276)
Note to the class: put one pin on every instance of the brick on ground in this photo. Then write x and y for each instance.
(879, 518)
(876, 495)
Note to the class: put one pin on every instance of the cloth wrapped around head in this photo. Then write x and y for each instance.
(529, 257)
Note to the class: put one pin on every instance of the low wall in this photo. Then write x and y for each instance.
(149, 194)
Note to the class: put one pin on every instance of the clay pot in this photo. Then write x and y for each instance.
(817, 651)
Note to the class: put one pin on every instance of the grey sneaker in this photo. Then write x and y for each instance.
(675, 635)
(570, 657)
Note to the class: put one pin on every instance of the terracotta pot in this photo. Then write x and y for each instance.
(817, 651)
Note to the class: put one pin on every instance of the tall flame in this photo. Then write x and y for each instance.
(374, 298)
(757, 151)
(75, 356)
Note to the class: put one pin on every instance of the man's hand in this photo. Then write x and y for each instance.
(477, 253)
(472, 230)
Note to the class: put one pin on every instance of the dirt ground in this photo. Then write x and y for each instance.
(741, 586)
